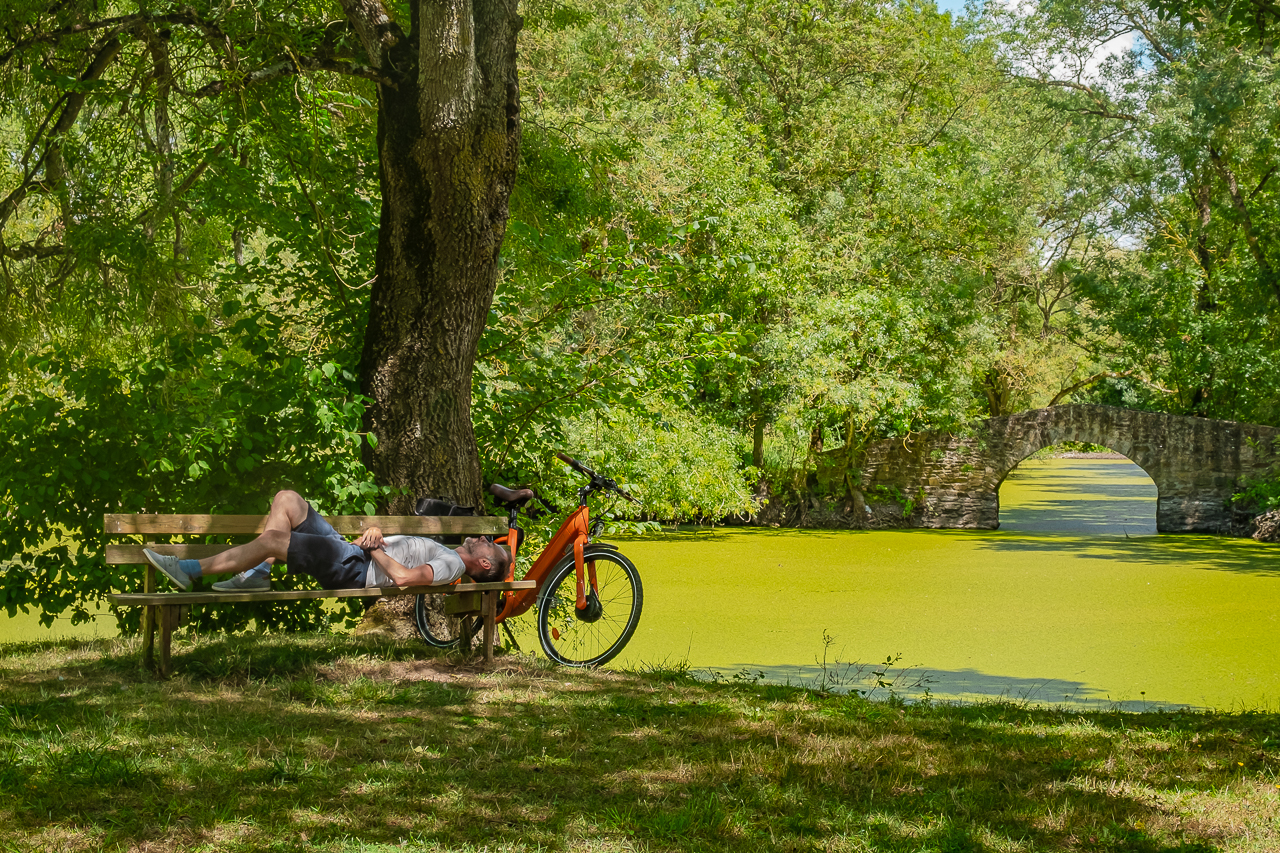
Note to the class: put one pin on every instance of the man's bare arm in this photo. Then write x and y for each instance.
(422, 575)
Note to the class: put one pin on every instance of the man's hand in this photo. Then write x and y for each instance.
(371, 539)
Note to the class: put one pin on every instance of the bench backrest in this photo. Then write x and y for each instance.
(251, 525)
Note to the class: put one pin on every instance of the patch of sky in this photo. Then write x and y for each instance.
(955, 7)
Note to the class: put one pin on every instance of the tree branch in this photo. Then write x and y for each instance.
(73, 103)
(27, 251)
(288, 67)
(117, 24)
(1097, 97)
(198, 171)
(375, 28)
(1105, 114)
(1104, 375)
(1262, 183)
(1141, 26)
(1238, 202)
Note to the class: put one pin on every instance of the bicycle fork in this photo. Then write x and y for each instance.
(588, 607)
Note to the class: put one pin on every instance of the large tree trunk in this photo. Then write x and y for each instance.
(448, 139)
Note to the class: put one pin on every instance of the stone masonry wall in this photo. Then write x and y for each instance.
(954, 481)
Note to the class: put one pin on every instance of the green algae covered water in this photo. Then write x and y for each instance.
(1074, 600)
(25, 627)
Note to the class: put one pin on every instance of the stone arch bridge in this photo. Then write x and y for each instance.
(946, 480)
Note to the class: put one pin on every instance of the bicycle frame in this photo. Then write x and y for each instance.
(607, 593)
(573, 536)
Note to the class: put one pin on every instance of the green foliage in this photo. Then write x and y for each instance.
(216, 420)
(786, 216)
(1262, 493)
(130, 181)
(1173, 146)
(680, 467)
(183, 278)
(1258, 495)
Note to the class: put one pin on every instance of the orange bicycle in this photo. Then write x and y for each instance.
(588, 595)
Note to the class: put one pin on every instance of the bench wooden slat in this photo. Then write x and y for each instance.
(120, 555)
(414, 525)
(132, 599)
(126, 555)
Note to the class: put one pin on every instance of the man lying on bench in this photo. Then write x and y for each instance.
(300, 537)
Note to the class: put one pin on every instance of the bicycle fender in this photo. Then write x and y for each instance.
(587, 551)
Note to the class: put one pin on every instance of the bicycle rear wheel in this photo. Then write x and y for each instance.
(595, 635)
(435, 627)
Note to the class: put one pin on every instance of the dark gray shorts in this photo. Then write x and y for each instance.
(316, 549)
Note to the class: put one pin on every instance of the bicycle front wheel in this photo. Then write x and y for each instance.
(596, 634)
(435, 627)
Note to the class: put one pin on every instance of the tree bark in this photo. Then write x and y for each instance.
(448, 140)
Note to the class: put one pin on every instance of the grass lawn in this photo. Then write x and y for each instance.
(354, 744)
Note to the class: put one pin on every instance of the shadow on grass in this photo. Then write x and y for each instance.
(284, 744)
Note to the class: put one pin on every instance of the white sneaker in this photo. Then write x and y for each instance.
(247, 581)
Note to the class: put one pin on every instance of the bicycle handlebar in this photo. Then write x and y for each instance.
(597, 480)
(575, 465)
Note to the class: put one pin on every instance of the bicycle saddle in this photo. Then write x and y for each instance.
(514, 497)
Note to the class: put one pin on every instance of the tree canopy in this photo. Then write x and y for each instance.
(247, 247)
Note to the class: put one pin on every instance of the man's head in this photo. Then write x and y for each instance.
(485, 561)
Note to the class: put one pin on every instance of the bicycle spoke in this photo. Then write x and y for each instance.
(566, 637)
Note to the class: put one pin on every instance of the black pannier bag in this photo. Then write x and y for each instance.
(443, 506)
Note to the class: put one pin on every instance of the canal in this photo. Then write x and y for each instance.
(1074, 600)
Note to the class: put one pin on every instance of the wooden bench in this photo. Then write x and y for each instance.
(163, 609)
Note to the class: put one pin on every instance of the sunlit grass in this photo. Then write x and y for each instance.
(346, 744)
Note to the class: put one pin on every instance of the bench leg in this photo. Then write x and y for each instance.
(149, 614)
(464, 633)
(490, 611)
(169, 615)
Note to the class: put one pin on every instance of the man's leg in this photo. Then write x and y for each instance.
(288, 510)
(271, 545)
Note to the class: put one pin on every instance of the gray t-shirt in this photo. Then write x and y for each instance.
(411, 551)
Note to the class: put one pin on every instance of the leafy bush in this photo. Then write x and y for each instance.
(1258, 495)
(690, 468)
(213, 421)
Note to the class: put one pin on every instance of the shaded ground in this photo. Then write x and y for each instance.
(332, 743)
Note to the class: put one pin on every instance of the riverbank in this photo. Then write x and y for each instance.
(1097, 612)
(344, 744)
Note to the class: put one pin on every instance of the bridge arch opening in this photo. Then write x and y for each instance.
(1082, 489)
